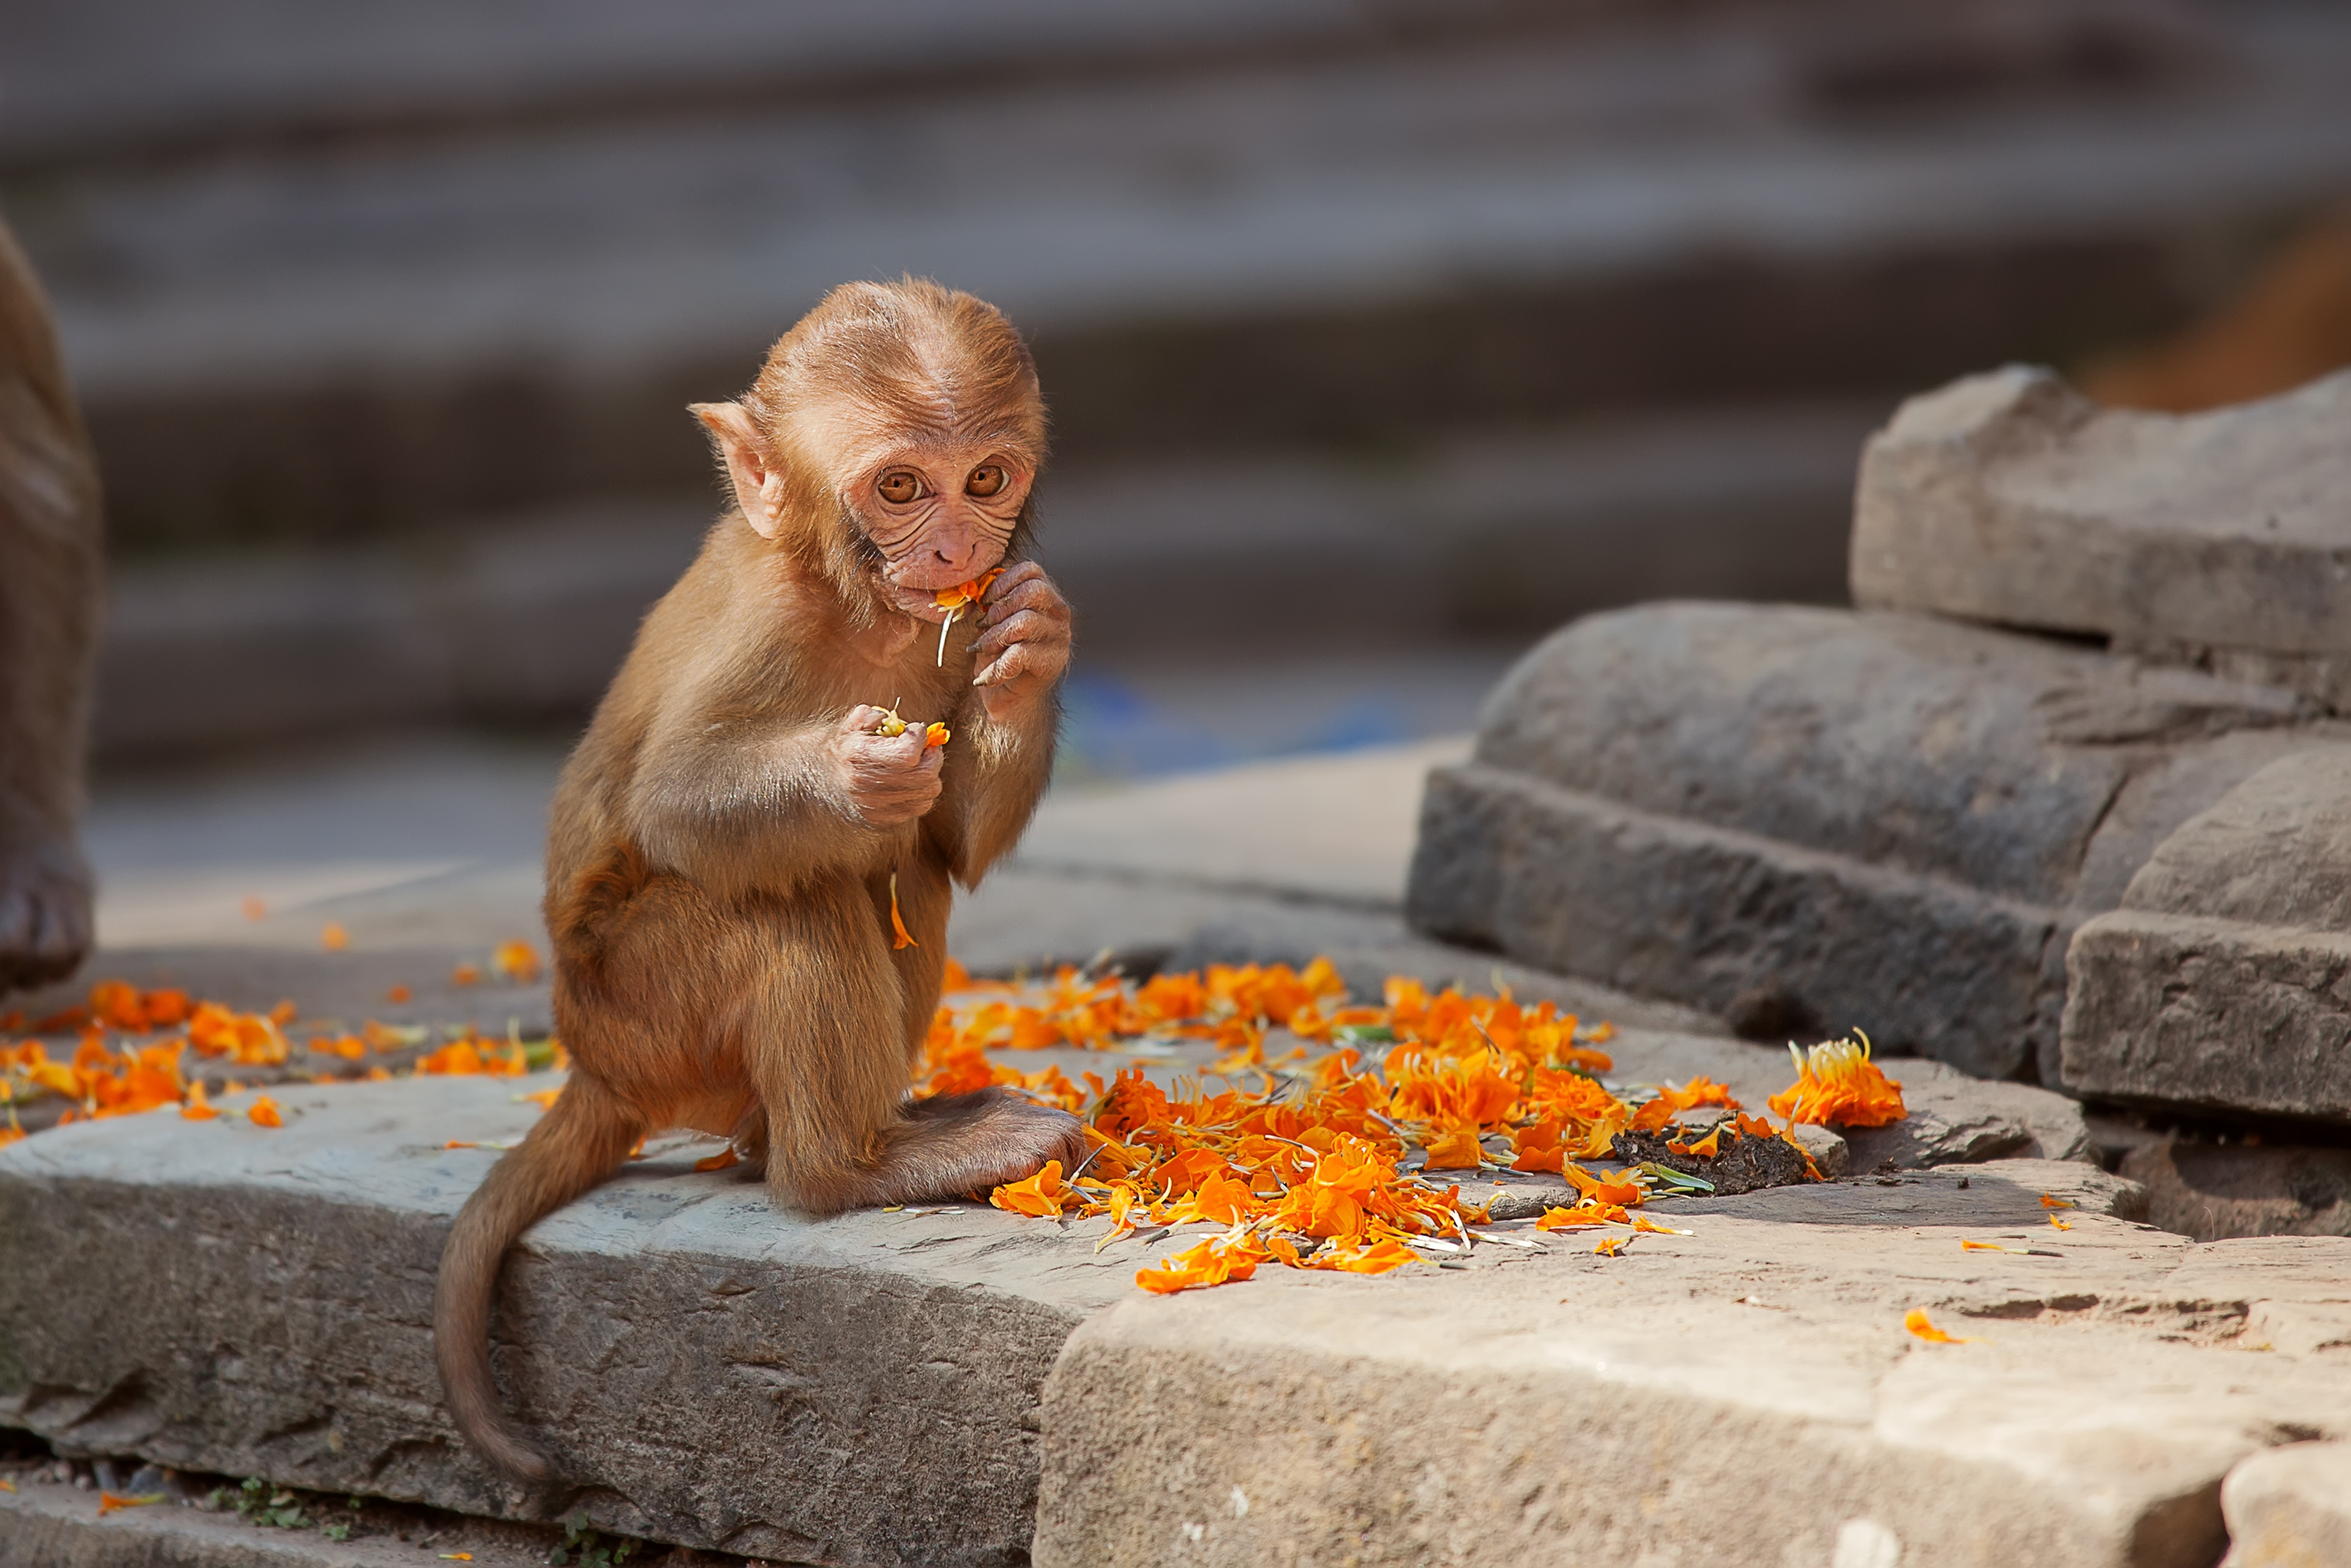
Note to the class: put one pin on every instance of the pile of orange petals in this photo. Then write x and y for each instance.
(1837, 1082)
(99, 1082)
(1314, 1168)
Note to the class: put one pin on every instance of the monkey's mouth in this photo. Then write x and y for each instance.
(922, 604)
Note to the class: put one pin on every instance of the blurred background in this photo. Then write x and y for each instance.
(1380, 335)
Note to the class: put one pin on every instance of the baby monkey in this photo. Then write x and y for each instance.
(734, 838)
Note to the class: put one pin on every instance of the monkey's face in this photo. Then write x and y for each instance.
(940, 516)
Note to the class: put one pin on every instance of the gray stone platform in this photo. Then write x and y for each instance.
(866, 1390)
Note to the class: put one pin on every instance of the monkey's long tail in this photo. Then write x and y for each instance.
(584, 1135)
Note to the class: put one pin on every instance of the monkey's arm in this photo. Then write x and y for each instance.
(993, 787)
(993, 783)
(771, 802)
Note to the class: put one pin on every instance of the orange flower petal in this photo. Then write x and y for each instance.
(1917, 1321)
(264, 1112)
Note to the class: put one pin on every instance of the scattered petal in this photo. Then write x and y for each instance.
(1918, 1322)
(333, 937)
(109, 1501)
(264, 1112)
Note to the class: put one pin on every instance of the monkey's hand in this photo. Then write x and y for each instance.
(1024, 642)
(883, 779)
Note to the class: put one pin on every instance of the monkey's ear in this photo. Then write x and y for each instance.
(758, 487)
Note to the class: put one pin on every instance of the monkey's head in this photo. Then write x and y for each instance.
(891, 441)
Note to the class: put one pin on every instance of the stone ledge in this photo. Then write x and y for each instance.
(1744, 1395)
(712, 1372)
(216, 1297)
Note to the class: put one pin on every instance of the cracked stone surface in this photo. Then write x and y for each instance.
(2223, 981)
(2221, 539)
(1824, 820)
(1745, 1395)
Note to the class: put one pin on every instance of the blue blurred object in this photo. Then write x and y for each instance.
(1111, 730)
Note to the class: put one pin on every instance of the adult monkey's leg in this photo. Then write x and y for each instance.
(51, 577)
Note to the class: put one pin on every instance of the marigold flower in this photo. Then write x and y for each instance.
(1837, 1082)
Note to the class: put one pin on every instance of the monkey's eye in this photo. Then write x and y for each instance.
(899, 486)
(985, 480)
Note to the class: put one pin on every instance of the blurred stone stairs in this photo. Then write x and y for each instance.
(1383, 322)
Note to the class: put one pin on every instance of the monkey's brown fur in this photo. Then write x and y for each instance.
(719, 909)
(51, 545)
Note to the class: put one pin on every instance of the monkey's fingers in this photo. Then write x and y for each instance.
(1034, 590)
(1028, 626)
(1019, 660)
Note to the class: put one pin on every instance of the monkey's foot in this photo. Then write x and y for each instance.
(45, 914)
(945, 1146)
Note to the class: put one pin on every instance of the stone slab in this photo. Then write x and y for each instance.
(221, 1297)
(1827, 820)
(2224, 980)
(2220, 539)
(1742, 1395)
(2290, 1506)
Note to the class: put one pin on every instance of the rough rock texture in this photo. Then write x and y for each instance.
(2221, 539)
(2224, 980)
(2290, 1508)
(1744, 1395)
(221, 1297)
(1826, 819)
(2210, 1190)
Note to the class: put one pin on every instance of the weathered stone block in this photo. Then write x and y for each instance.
(1742, 1395)
(220, 1297)
(2224, 980)
(2221, 538)
(1880, 821)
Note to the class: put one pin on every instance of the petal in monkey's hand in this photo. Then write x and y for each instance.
(1024, 642)
(883, 780)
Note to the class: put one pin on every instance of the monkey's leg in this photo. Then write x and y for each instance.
(50, 546)
(583, 1136)
(827, 1035)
